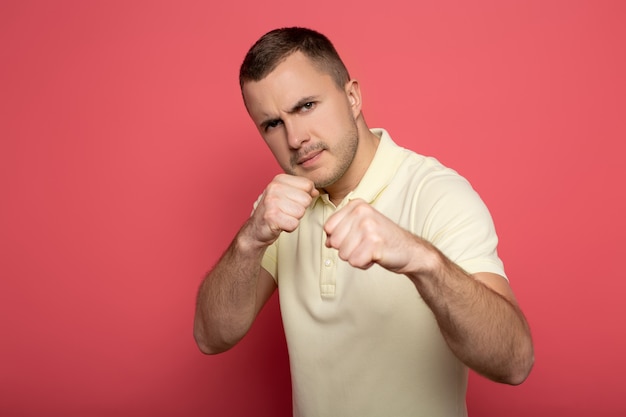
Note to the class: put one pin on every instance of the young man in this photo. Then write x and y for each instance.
(385, 260)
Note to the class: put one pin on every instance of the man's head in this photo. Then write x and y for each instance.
(307, 109)
(273, 47)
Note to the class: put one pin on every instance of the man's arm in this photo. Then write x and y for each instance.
(478, 315)
(230, 297)
(236, 289)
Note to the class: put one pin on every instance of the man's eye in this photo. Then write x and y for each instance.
(272, 124)
(308, 106)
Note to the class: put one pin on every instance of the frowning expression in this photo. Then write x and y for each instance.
(308, 122)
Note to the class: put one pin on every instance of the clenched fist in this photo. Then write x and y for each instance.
(363, 236)
(281, 207)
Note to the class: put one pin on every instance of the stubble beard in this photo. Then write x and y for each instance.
(345, 152)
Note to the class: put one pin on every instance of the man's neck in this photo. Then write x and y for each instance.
(368, 144)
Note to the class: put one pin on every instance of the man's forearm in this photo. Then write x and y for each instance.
(485, 330)
(226, 303)
(234, 291)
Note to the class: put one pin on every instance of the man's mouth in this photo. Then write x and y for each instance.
(309, 157)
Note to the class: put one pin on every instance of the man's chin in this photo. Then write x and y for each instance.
(320, 181)
(322, 184)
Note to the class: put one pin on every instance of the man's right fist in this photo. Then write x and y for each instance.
(281, 207)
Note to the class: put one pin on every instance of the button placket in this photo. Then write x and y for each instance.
(328, 282)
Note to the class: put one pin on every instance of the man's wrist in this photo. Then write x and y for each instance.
(428, 262)
(246, 243)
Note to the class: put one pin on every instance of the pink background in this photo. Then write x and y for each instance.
(127, 162)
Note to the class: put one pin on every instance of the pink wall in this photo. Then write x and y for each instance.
(127, 162)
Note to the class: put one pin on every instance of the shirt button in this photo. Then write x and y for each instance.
(327, 262)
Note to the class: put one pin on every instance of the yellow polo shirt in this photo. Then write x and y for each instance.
(363, 343)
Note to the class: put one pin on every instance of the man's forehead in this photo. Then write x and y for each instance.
(289, 83)
(296, 67)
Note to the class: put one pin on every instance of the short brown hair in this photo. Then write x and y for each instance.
(273, 47)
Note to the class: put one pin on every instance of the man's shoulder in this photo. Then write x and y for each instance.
(411, 158)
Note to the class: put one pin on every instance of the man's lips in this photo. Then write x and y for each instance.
(308, 157)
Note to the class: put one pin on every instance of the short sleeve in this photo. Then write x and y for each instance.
(459, 224)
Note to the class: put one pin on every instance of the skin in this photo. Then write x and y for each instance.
(318, 135)
(314, 129)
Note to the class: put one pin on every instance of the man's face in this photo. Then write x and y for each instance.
(308, 122)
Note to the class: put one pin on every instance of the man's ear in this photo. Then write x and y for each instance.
(353, 92)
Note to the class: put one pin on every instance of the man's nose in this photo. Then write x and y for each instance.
(296, 134)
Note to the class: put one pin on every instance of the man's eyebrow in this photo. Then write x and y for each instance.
(301, 103)
(292, 110)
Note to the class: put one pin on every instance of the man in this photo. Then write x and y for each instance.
(385, 260)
